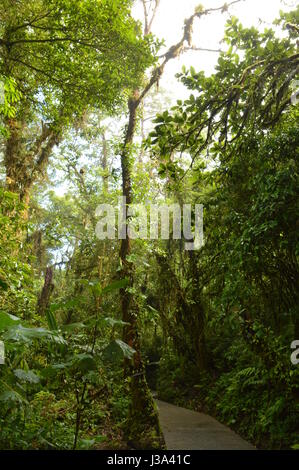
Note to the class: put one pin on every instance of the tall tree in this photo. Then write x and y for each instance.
(63, 57)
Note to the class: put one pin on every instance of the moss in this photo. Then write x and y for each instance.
(142, 428)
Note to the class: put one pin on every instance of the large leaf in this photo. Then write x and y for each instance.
(85, 362)
(118, 350)
(27, 335)
(52, 323)
(11, 396)
(7, 320)
(69, 304)
(85, 444)
(121, 284)
(26, 376)
(51, 371)
(72, 326)
(112, 322)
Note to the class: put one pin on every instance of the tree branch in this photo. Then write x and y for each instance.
(157, 3)
(201, 49)
(148, 23)
(175, 50)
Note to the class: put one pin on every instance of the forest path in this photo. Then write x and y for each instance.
(188, 430)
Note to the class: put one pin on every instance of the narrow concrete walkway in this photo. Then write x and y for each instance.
(188, 430)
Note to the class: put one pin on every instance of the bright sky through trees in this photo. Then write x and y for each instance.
(209, 31)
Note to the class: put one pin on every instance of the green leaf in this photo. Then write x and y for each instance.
(118, 350)
(85, 444)
(85, 362)
(3, 285)
(112, 322)
(7, 320)
(22, 334)
(11, 396)
(27, 376)
(51, 321)
(115, 286)
(51, 371)
(72, 326)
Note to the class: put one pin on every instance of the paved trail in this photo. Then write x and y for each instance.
(188, 430)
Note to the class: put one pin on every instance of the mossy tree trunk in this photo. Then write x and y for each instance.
(24, 165)
(45, 295)
(142, 427)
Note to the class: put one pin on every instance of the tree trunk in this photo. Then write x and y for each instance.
(23, 165)
(44, 298)
(105, 163)
(142, 427)
(198, 315)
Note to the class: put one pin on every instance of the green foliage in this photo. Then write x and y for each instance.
(9, 97)
(246, 276)
(243, 96)
(16, 293)
(42, 413)
(71, 50)
(216, 325)
(117, 350)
